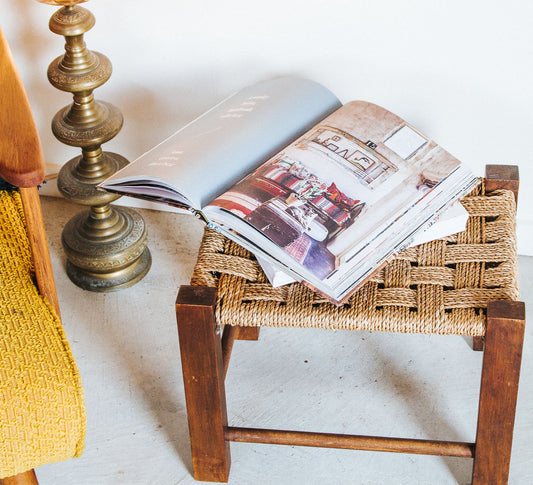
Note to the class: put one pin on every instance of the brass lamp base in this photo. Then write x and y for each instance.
(115, 281)
(105, 245)
(106, 258)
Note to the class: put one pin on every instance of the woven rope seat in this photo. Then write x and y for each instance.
(441, 287)
(42, 415)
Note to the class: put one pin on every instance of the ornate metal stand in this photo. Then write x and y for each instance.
(105, 245)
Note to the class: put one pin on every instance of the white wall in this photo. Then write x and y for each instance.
(460, 71)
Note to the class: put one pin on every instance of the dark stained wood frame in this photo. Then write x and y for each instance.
(499, 388)
(205, 354)
(203, 379)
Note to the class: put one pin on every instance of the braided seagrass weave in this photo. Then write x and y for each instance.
(441, 287)
(42, 415)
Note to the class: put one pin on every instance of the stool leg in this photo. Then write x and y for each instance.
(478, 344)
(202, 367)
(247, 333)
(499, 389)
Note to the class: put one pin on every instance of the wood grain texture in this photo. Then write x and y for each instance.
(25, 478)
(21, 155)
(351, 442)
(203, 379)
(502, 177)
(499, 389)
(39, 246)
(247, 333)
(478, 344)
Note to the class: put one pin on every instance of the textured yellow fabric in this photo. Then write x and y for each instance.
(42, 413)
(441, 287)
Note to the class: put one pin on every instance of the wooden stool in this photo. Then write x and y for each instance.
(465, 284)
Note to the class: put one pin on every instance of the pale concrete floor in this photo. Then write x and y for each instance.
(126, 347)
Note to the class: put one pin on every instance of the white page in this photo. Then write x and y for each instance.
(220, 147)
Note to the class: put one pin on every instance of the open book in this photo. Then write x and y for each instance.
(324, 192)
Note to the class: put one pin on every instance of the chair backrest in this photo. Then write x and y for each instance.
(22, 164)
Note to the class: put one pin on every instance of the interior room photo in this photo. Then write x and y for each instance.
(319, 275)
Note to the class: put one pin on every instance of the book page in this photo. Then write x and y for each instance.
(452, 221)
(217, 149)
(333, 193)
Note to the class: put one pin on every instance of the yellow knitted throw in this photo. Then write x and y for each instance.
(42, 413)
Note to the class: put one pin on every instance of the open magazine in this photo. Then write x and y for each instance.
(450, 221)
(323, 192)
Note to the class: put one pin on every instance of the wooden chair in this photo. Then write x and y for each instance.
(461, 285)
(42, 414)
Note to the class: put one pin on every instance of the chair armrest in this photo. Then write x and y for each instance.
(21, 156)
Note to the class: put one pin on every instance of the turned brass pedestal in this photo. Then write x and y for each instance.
(105, 245)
